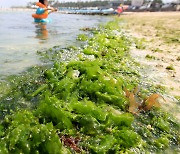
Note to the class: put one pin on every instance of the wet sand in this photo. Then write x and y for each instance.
(160, 34)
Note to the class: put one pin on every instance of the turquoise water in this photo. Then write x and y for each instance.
(20, 37)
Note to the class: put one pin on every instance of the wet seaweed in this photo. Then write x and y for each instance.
(87, 105)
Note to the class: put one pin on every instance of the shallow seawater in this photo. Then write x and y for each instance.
(20, 37)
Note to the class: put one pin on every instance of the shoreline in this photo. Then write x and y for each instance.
(91, 98)
(124, 13)
(158, 51)
(15, 9)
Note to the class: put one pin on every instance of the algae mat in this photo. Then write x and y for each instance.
(95, 103)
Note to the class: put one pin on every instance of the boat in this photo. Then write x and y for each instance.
(90, 11)
(108, 11)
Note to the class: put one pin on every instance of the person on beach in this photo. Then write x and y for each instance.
(120, 10)
(43, 11)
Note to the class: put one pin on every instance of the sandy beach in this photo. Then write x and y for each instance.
(159, 49)
(160, 32)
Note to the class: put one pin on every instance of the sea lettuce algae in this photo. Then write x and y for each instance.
(81, 106)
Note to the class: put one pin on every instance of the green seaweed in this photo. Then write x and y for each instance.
(24, 134)
(81, 105)
(170, 67)
(82, 37)
(150, 57)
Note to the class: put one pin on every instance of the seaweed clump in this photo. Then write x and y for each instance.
(89, 106)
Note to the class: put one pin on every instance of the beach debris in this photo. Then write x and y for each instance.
(136, 107)
(71, 142)
(151, 101)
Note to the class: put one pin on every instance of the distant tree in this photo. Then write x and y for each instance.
(82, 4)
(158, 1)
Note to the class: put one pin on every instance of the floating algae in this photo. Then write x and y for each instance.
(82, 105)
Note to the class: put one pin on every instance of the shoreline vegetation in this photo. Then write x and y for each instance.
(95, 103)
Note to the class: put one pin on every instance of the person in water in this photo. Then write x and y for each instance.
(45, 3)
(43, 11)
